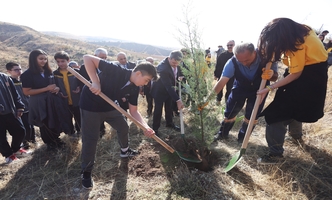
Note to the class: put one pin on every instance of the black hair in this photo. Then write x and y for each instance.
(279, 36)
(147, 68)
(61, 55)
(10, 65)
(33, 64)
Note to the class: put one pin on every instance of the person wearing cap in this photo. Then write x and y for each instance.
(164, 90)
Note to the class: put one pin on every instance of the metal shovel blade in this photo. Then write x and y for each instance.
(188, 157)
(233, 162)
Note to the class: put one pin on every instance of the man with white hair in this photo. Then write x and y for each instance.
(122, 61)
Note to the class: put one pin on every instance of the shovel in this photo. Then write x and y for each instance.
(183, 156)
(181, 120)
(238, 156)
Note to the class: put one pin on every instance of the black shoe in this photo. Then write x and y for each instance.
(173, 126)
(219, 136)
(87, 181)
(270, 159)
(240, 139)
(129, 153)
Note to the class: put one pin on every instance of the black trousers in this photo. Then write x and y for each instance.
(16, 130)
(149, 101)
(49, 135)
(158, 107)
(30, 134)
(76, 114)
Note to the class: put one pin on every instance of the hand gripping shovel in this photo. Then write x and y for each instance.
(183, 156)
(238, 156)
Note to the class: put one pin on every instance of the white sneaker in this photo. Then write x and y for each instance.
(11, 159)
(22, 153)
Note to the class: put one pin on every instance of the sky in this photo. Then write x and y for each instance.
(156, 22)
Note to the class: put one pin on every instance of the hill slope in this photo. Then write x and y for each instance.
(111, 42)
(16, 42)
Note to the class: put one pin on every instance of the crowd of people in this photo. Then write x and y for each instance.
(57, 102)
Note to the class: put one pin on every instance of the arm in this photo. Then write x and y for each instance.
(167, 83)
(220, 84)
(216, 89)
(50, 88)
(288, 79)
(91, 64)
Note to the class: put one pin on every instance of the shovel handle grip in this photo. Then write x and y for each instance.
(108, 100)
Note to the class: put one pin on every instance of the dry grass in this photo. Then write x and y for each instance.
(306, 173)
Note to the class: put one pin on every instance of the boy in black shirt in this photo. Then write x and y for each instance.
(113, 81)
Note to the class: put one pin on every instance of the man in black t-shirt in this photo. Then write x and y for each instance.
(113, 81)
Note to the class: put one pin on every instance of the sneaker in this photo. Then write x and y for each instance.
(11, 159)
(87, 181)
(129, 153)
(270, 159)
(219, 136)
(22, 153)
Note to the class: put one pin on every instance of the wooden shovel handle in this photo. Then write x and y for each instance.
(254, 111)
(108, 100)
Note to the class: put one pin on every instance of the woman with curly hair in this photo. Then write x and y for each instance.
(301, 93)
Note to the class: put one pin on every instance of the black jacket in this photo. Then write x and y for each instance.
(10, 100)
(221, 61)
(129, 65)
(164, 87)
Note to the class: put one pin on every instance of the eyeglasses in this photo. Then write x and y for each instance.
(230, 45)
(16, 70)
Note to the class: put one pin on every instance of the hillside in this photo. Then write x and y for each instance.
(16, 42)
(157, 174)
(111, 42)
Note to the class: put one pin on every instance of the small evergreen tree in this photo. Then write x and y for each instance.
(199, 78)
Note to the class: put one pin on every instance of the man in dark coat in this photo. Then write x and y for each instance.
(221, 61)
(164, 90)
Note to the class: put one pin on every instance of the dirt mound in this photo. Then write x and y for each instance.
(154, 159)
